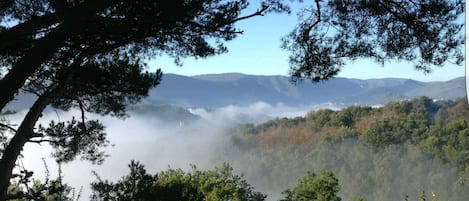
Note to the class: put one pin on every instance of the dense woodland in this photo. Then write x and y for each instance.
(387, 153)
(409, 150)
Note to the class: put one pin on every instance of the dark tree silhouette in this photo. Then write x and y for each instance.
(87, 54)
(331, 33)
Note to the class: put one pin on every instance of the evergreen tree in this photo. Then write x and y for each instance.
(88, 54)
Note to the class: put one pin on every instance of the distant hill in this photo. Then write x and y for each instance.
(165, 113)
(217, 90)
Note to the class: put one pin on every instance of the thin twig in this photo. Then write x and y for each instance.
(82, 108)
(259, 12)
(306, 32)
(8, 126)
(43, 140)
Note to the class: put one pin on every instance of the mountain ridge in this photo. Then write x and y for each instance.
(219, 90)
(216, 90)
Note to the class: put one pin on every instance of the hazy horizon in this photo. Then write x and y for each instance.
(371, 78)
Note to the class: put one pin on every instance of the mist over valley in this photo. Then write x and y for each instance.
(269, 130)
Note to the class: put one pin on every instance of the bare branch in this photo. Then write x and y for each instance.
(43, 140)
(209, 27)
(32, 91)
(318, 14)
(8, 127)
(82, 108)
(36, 135)
(259, 12)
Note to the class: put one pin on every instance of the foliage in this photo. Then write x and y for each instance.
(24, 188)
(382, 153)
(422, 122)
(89, 55)
(175, 184)
(73, 138)
(333, 33)
(315, 188)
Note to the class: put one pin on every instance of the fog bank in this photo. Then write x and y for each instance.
(206, 143)
(155, 143)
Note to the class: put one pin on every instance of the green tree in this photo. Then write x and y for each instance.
(334, 32)
(312, 187)
(175, 184)
(25, 188)
(87, 54)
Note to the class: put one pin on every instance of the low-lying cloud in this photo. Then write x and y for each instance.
(156, 144)
(159, 145)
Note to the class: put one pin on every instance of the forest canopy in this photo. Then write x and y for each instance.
(380, 153)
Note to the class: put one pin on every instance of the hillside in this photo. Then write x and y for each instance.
(218, 90)
(403, 149)
(239, 89)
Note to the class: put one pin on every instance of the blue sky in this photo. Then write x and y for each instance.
(258, 52)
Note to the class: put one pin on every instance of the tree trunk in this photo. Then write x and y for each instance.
(14, 147)
(26, 130)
